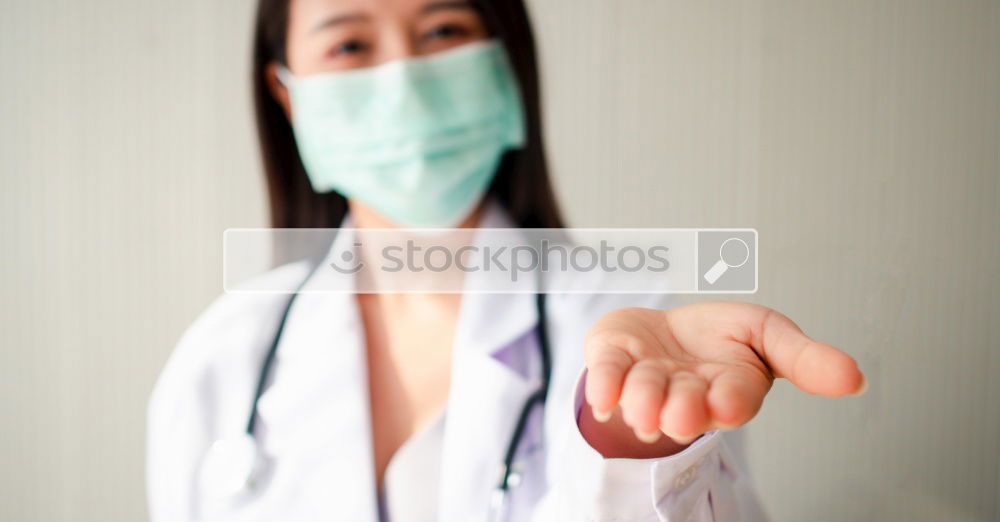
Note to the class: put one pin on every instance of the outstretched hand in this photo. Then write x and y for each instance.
(691, 369)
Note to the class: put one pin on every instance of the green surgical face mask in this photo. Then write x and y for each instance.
(419, 140)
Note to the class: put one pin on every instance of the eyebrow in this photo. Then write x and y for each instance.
(339, 19)
(445, 5)
(359, 17)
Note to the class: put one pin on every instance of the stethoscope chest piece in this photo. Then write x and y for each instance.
(228, 468)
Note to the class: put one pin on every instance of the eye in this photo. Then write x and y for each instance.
(445, 31)
(350, 47)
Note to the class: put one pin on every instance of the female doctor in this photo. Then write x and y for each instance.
(386, 113)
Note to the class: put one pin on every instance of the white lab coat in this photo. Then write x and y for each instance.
(314, 422)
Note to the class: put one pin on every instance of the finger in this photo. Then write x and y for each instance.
(812, 366)
(685, 416)
(734, 398)
(606, 370)
(642, 398)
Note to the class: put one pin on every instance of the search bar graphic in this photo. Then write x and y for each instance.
(491, 260)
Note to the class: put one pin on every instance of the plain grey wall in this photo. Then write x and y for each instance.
(859, 137)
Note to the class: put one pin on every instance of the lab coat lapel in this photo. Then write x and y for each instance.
(495, 369)
(485, 399)
(315, 420)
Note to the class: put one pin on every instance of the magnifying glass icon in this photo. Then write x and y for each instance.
(722, 265)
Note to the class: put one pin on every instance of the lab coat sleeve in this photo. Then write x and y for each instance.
(695, 484)
(705, 481)
(175, 438)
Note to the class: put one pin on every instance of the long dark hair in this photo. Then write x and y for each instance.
(521, 184)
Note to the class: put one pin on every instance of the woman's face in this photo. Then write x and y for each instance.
(326, 36)
(335, 35)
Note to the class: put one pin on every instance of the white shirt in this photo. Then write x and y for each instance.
(411, 485)
(314, 423)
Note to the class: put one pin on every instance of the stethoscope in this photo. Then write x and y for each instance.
(231, 465)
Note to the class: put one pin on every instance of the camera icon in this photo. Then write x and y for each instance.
(349, 262)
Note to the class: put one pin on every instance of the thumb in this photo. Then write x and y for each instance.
(812, 366)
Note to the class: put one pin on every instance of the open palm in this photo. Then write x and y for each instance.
(695, 368)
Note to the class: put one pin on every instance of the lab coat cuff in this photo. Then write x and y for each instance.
(649, 489)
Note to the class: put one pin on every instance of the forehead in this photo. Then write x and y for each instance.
(371, 6)
(309, 16)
